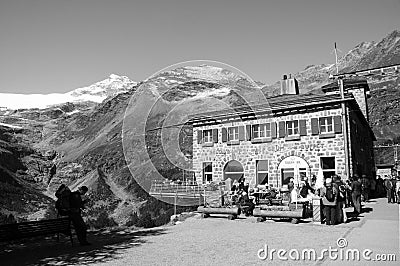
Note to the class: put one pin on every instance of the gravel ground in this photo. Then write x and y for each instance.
(197, 241)
(217, 241)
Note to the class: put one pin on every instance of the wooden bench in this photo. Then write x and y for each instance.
(16, 231)
(207, 211)
(293, 211)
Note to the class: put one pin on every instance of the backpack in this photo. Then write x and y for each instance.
(329, 194)
(63, 194)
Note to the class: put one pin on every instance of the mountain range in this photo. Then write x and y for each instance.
(82, 141)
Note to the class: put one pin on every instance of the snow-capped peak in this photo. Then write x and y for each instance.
(96, 92)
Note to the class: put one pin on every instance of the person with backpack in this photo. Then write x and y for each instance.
(63, 195)
(341, 198)
(329, 195)
(75, 214)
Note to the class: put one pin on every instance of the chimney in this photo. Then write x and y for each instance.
(289, 85)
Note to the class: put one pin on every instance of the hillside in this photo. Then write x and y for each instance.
(21, 175)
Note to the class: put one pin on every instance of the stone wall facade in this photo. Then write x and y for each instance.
(311, 148)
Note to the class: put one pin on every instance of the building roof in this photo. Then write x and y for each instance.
(348, 84)
(281, 104)
(274, 105)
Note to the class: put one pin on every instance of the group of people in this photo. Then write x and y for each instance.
(392, 187)
(335, 195)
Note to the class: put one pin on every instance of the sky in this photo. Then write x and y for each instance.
(49, 46)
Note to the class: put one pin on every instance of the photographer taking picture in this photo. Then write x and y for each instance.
(76, 206)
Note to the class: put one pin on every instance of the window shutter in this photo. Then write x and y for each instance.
(215, 135)
(281, 129)
(224, 134)
(303, 127)
(248, 132)
(337, 124)
(199, 136)
(273, 130)
(241, 133)
(314, 126)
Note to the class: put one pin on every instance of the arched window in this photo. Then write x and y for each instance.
(233, 170)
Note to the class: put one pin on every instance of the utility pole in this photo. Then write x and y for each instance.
(344, 116)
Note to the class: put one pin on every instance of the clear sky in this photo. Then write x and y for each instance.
(56, 46)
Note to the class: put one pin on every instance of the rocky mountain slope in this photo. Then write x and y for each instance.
(22, 170)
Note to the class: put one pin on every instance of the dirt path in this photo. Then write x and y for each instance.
(217, 241)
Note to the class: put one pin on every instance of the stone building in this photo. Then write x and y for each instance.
(292, 135)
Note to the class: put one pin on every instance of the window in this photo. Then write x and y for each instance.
(233, 133)
(207, 136)
(325, 125)
(262, 131)
(302, 173)
(328, 166)
(262, 172)
(287, 173)
(233, 170)
(292, 128)
(207, 172)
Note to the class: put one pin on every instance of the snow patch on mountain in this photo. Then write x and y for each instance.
(41, 101)
(96, 92)
(221, 92)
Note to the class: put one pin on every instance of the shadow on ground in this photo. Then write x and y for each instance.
(106, 246)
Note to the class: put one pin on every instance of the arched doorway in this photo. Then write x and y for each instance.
(233, 170)
(293, 167)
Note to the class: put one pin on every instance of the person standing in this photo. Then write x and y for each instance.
(380, 187)
(394, 192)
(388, 187)
(76, 206)
(329, 194)
(397, 189)
(349, 201)
(356, 194)
(340, 206)
(373, 187)
(365, 188)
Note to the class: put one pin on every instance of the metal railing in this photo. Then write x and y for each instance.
(185, 188)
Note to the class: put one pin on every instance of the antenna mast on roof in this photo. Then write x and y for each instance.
(336, 60)
(344, 117)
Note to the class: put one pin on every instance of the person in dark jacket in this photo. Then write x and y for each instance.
(393, 192)
(388, 187)
(77, 204)
(356, 194)
(340, 186)
(349, 201)
(365, 188)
